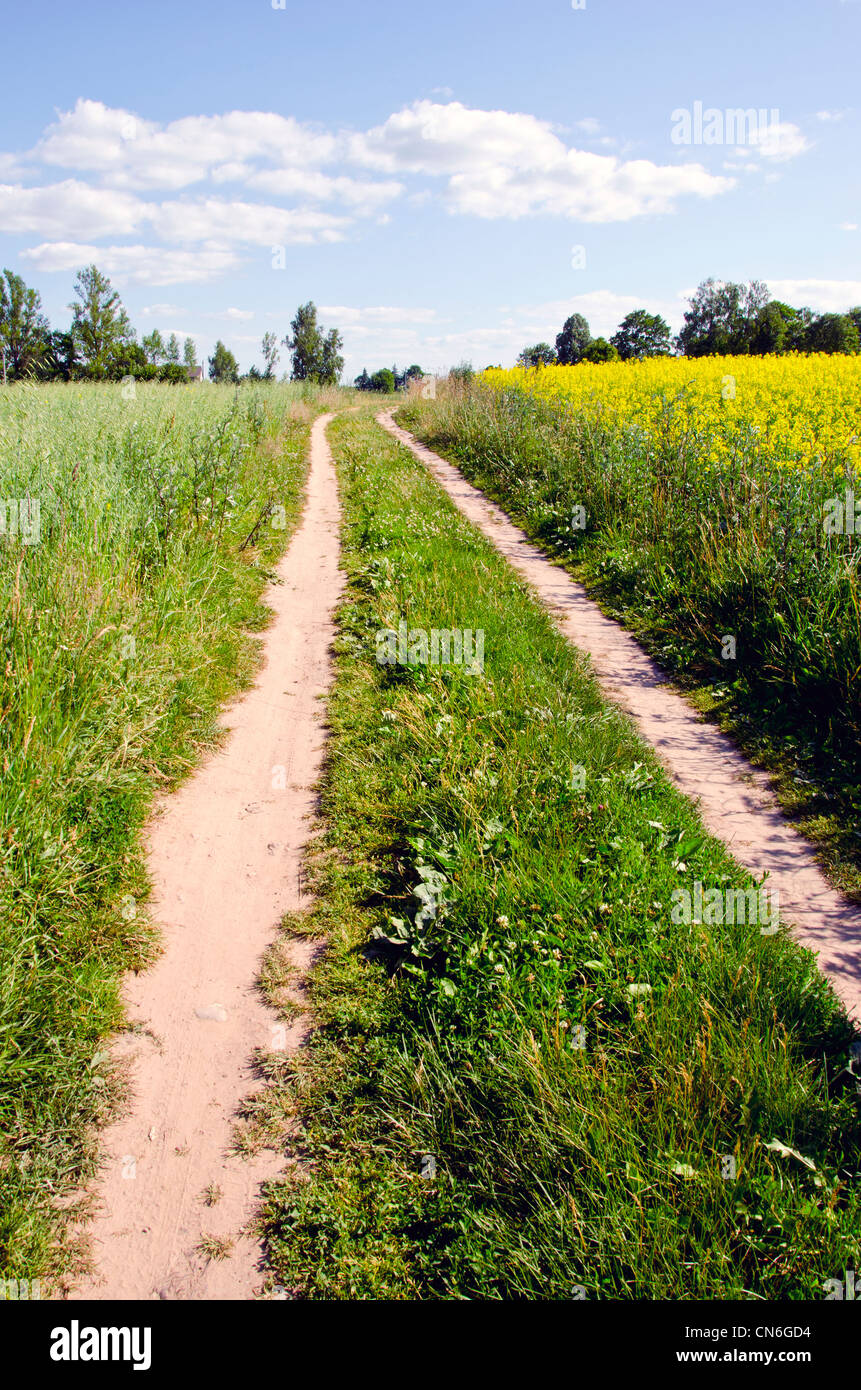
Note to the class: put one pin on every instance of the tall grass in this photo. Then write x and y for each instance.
(689, 554)
(124, 625)
(567, 1162)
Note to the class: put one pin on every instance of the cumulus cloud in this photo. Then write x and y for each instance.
(117, 143)
(429, 138)
(361, 195)
(826, 296)
(262, 224)
(586, 187)
(134, 180)
(508, 165)
(136, 265)
(75, 209)
(71, 208)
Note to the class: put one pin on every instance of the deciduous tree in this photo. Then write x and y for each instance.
(541, 355)
(269, 349)
(721, 318)
(316, 356)
(24, 329)
(641, 334)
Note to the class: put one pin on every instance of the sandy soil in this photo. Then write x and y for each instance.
(224, 855)
(735, 800)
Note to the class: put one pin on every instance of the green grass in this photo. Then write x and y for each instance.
(685, 555)
(557, 1167)
(123, 631)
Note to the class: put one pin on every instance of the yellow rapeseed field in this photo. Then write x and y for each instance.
(799, 409)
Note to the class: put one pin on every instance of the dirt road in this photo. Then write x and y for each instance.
(224, 857)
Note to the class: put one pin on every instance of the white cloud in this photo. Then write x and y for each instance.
(138, 153)
(160, 311)
(504, 164)
(826, 296)
(429, 138)
(362, 195)
(75, 209)
(586, 187)
(137, 265)
(262, 224)
(848, 226)
(830, 115)
(70, 208)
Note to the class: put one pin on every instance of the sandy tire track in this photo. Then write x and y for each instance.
(224, 856)
(735, 800)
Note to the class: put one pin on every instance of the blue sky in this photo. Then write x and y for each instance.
(424, 172)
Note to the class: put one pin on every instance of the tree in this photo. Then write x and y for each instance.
(24, 330)
(572, 342)
(316, 357)
(60, 360)
(798, 329)
(641, 334)
(415, 373)
(100, 324)
(722, 318)
(131, 360)
(362, 382)
(172, 349)
(333, 363)
(599, 350)
(833, 333)
(771, 328)
(541, 355)
(383, 380)
(271, 356)
(153, 346)
(174, 373)
(222, 364)
(189, 354)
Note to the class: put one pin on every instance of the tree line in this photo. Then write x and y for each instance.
(101, 345)
(387, 378)
(722, 319)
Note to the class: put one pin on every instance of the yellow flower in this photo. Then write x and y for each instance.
(798, 410)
